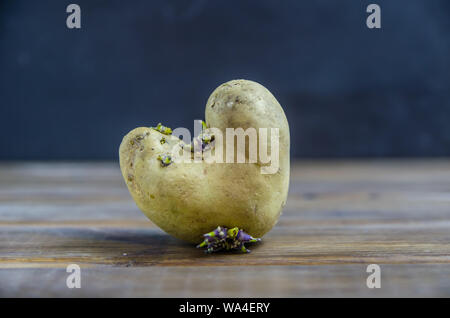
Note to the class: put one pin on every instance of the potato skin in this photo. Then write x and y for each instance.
(189, 199)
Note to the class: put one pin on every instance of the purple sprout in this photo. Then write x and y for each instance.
(227, 239)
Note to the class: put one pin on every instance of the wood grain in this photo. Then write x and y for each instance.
(340, 216)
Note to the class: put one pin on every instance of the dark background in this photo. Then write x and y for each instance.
(348, 91)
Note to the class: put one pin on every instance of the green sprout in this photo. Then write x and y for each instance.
(163, 129)
(162, 141)
(206, 138)
(226, 239)
(165, 159)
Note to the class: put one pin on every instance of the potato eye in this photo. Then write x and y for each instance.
(165, 159)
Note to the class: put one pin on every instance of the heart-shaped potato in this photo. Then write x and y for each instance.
(189, 199)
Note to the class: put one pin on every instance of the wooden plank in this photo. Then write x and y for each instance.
(237, 281)
(340, 216)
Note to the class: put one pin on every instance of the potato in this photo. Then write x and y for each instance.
(189, 199)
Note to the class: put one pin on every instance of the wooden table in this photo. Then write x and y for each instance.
(340, 217)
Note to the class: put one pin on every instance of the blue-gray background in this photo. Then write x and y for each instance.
(347, 90)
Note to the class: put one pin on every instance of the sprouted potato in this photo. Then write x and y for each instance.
(188, 199)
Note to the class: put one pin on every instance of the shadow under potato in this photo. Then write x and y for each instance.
(132, 247)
